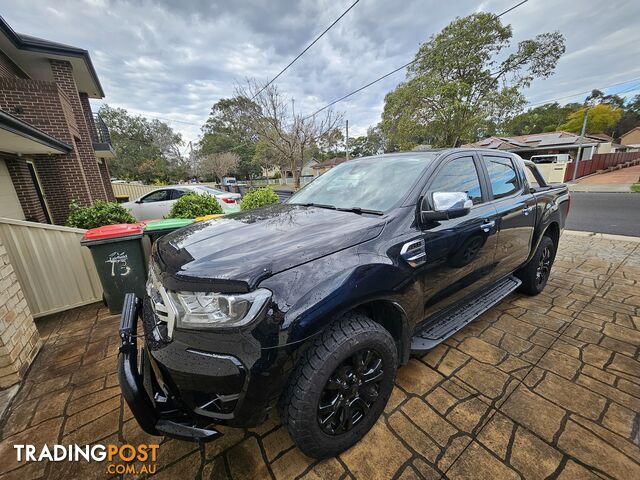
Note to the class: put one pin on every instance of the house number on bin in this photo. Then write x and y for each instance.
(119, 265)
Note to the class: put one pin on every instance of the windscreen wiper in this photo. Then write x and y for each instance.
(360, 211)
(319, 205)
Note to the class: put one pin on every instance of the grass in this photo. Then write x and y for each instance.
(635, 187)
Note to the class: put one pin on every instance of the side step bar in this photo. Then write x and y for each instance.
(452, 320)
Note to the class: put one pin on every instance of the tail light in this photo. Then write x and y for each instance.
(228, 200)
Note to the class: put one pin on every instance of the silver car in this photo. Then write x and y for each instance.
(158, 203)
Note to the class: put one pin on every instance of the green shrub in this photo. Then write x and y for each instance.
(259, 198)
(193, 205)
(98, 214)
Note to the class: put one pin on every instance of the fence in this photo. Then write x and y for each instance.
(55, 272)
(600, 161)
(553, 172)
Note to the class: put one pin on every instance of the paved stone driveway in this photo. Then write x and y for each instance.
(545, 387)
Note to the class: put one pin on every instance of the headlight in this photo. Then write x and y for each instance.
(213, 310)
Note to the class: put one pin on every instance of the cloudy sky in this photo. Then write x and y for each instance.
(172, 59)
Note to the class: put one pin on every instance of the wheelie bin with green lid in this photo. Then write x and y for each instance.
(159, 228)
(120, 260)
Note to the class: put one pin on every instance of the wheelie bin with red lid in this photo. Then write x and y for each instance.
(120, 260)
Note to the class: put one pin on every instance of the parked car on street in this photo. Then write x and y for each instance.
(157, 204)
(310, 306)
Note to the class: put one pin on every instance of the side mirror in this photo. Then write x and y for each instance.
(138, 201)
(444, 206)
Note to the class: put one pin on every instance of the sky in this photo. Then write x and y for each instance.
(173, 59)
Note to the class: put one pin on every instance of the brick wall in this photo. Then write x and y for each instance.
(8, 68)
(59, 110)
(63, 77)
(19, 338)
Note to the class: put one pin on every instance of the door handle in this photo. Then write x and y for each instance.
(487, 226)
(527, 210)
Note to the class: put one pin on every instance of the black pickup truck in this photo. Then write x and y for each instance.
(310, 306)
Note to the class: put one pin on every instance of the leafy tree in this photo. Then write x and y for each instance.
(229, 128)
(602, 119)
(597, 97)
(370, 144)
(545, 118)
(147, 150)
(462, 83)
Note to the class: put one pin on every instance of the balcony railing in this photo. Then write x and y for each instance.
(102, 142)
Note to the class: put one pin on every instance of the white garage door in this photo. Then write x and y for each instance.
(9, 204)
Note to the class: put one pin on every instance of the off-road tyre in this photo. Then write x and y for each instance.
(535, 273)
(324, 366)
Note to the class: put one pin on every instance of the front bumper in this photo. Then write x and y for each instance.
(157, 412)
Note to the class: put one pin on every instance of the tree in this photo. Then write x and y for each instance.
(370, 144)
(289, 136)
(228, 128)
(147, 150)
(602, 119)
(220, 164)
(545, 118)
(462, 84)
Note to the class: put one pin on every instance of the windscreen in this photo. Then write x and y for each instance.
(377, 183)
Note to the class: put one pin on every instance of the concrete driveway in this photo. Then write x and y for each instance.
(544, 387)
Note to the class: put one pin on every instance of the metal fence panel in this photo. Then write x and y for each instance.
(55, 272)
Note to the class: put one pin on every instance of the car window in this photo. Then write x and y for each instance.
(532, 179)
(502, 175)
(176, 194)
(157, 196)
(458, 175)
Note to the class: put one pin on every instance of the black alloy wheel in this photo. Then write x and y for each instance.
(544, 266)
(350, 392)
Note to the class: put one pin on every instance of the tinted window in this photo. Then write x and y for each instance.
(531, 177)
(378, 183)
(176, 194)
(502, 175)
(157, 196)
(459, 175)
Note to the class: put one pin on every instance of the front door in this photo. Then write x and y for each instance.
(154, 205)
(460, 251)
(515, 207)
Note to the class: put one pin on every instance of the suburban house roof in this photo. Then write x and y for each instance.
(29, 53)
(330, 163)
(538, 141)
(635, 129)
(20, 137)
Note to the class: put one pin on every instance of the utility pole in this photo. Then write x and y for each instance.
(293, 107)
(584, 129)
(347, 143)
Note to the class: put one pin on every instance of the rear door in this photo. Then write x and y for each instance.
(515, 209)
(459, 252)
(155, 205)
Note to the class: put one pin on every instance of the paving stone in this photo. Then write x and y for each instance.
(326, 469)
(591, 450)
(467, 415)
(187, 468)
(230, 437)
(416, 438)
(571, 396)
(482, 351)
(534, 412)
(453, 451)
(476, 462)
(573, 471)
(276, 442)
(496, 434)
(429, 421)
(453, 360)
(559, 363)
(215, 470)
(245, 461)
(484, 378)
(386, 461)
(532, 457)
(415, 377)
(441, 400)
(291, 465)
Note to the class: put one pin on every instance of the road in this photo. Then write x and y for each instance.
(616, 213)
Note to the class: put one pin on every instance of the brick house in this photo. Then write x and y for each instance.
(53, 149)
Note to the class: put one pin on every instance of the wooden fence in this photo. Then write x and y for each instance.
(600, 161)
(55, 272)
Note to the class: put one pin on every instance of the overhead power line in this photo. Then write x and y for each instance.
(585, 92)
(394, 71)
(307, 48)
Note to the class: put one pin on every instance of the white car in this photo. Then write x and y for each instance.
(157, 204)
